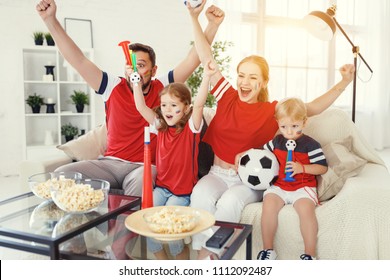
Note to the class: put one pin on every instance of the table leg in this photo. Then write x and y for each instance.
(144, 253)
(249, 247)
(55, 252)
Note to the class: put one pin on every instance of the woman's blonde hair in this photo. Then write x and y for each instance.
(182, 92)
(291, 107)
(264, 68)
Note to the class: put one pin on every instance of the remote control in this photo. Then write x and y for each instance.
(219, 237)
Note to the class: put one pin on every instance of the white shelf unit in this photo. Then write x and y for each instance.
(66, 80)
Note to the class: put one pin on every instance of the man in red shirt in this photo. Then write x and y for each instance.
(122, 164)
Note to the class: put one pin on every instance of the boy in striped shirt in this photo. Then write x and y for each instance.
(308, 160)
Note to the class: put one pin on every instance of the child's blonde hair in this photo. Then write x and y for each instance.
(291, 107)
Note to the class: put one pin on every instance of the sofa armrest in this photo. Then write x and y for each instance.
(30, 167)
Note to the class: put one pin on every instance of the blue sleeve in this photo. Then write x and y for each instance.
(171, 79)
(103, 84)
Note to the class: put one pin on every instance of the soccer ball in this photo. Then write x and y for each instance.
(258, 169)
(193, 3)
(135, 78)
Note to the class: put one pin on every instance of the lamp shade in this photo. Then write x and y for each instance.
(320, 25)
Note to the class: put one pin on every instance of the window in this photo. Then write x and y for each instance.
(300, 64)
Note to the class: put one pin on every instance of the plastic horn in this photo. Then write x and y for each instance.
(147, 188)
(134, 59)
(125, 48)
(290, 145)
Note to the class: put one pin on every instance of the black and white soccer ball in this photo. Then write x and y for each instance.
(135, 78)
(258, 169)
(193, 3)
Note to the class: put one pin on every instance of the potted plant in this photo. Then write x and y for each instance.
(35, 102)
(38, 37)
(49, 39)
(79, 98)
(219, 49)
(69, 131)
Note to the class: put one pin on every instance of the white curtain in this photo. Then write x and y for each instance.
(374, 95)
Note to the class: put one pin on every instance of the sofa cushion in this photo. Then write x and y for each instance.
(343, 163)
(88, 146)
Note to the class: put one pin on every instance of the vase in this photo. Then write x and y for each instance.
(50, 70)
(68, 138)
(38, 42)
(48, 138)
(36, 109)
(50, 108)
(80, 108)
(50, 42)
(71, 74)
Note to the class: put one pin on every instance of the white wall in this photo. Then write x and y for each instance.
(163, 24)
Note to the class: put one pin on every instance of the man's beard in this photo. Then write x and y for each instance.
(145, 86)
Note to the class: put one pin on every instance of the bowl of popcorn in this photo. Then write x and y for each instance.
(171, 219)
(82, 196)
(41, 183)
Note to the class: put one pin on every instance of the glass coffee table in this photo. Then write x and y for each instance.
(121, 243)
(30, 224)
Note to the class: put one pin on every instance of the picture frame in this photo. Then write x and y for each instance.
(80, 30)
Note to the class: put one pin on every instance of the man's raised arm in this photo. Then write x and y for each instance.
(69, 50)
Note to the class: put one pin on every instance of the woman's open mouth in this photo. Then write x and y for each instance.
(245, 92)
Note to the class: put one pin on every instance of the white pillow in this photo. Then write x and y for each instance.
(88, 146)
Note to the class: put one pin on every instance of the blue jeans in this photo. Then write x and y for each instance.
(162, 197)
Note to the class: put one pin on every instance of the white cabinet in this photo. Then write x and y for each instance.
(42, 131)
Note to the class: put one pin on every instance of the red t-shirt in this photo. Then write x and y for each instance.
(238, 126)
(125, 125)
(177, 159)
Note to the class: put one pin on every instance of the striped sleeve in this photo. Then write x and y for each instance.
(317, 156)
(108, 83)
(220, 88)
(269, 146)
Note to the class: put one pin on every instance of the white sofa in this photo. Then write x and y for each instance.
(354, 224)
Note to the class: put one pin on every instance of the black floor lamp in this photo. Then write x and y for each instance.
(323, 26)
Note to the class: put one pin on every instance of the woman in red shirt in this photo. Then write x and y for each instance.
(244, 119)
